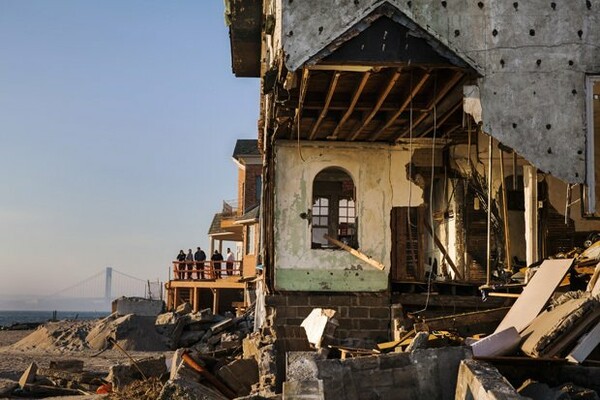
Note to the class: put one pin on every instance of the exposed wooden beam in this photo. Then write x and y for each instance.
(452, 130)
(298, 114)
(338, 105)
(443, 119)
(382, 96)
(355, 96)
(400, 110)
(437, 97)
(330, 91)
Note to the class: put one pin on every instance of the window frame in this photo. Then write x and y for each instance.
(335, 221)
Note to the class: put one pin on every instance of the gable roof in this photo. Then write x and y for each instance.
(245, 148)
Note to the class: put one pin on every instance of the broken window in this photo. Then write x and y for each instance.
(333, 209)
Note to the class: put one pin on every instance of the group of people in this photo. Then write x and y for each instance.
(196, 262)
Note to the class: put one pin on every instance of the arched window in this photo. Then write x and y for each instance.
(333, 209)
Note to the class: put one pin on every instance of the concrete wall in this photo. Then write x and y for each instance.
(380, 179)
(422, 374)
(533, 59)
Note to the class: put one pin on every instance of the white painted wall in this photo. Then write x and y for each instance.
(380, 178)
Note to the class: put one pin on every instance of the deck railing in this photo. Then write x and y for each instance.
(206, 270)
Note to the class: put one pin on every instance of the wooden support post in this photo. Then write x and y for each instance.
(507, 257)
(488, 276)
(196, 303)
(215, 293)
(531, 213)
(440, 246)
(175, 298)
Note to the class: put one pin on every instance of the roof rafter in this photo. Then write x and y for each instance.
(303, 90)
(447, 87)
(355, 97)
(382, 96)
(400, 110)
(330, 91)
(443, 119)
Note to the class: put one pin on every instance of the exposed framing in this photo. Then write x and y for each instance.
(590, 169)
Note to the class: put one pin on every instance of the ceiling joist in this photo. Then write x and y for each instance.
(355, 97)
(382, 96)
(330, 92)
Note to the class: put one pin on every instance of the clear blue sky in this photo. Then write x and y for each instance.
(117, 124)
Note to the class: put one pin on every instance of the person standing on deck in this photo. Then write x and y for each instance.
(229, 265)
(199, 257)
(217, 265)
(190, 263)
(180, 265)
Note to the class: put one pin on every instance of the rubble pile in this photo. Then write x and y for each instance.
(57, 336)
(202, 330)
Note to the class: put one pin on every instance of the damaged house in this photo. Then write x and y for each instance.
(407, 144)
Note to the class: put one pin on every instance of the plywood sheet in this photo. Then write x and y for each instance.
(536, 294)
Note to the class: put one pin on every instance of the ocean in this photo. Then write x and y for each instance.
(8, 318)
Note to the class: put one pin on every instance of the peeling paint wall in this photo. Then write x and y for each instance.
(533, 56)
(380, 178)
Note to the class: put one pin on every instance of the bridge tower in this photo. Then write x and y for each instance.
(108, 284)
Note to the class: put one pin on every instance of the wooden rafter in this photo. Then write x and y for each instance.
(400, 110)
(303, 90)
(443, 119)
(330, 91)
(382, 96)
(355, 96)
(447, 87)
(452, 130)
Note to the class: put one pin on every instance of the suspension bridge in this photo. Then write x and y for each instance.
(96, 292)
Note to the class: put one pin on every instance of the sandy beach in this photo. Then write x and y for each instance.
(14, 361)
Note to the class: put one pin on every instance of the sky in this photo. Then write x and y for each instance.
(117, 124)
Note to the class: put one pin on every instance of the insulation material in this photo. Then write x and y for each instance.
(555, 329)
(472, 102)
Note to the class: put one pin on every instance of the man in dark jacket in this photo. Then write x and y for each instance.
(217, 265)
(199, 257)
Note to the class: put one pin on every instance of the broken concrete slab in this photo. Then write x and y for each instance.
(320, 326)
(419, 342)
(184, 389)
(184, 308)
(482, 381)
(536, 294)
(131, 332)
(67, 365)
(303, 390)
(138, 306)
(240, 375)
(302, 365)
(497, 344)
(121, 375)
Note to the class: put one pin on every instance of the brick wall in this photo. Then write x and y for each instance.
(360, 315)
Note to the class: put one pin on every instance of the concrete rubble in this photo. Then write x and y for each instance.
(221, 356)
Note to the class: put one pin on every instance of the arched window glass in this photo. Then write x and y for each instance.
(333, 209)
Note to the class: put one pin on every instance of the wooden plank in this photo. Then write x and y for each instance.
(585, 346)
(450, 301)
(298, 114)
(358, 254)
(382, 96)
(466, 319)
(350, 109)
(594, 284)
(400, 110)
(536, 294)
(330, 92)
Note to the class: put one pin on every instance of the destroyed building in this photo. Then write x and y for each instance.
(219, 285)
(431, 140)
